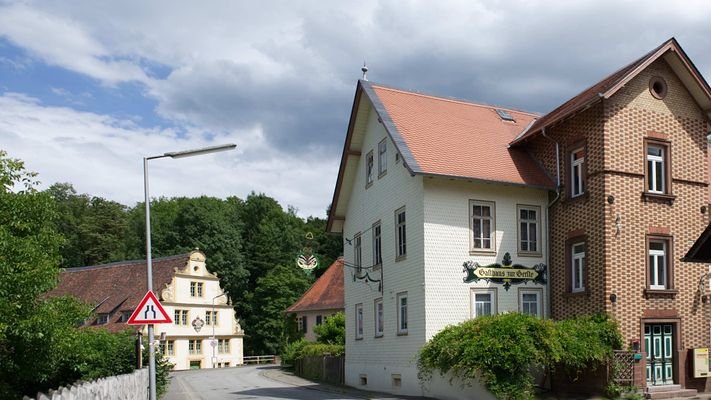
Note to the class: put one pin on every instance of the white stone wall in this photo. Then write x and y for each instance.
(310, 335)
(447, 247)
(438, 232)
(391, 355)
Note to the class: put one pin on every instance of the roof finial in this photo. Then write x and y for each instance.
(365, 71)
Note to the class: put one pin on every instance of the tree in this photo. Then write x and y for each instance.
(94, 228)
(333, 330)
(274, 293)
(35, 333)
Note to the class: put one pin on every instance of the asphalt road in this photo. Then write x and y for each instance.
(253, 382)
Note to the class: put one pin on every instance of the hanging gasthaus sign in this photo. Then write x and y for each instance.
(505, 273)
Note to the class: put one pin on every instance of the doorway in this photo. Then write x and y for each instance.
(659, 345)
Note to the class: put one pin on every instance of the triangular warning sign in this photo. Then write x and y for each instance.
(149, 311)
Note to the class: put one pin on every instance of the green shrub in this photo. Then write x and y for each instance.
(292, 351)
(500, 351)
(333, 330)
(321, 349)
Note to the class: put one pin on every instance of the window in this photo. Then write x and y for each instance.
(304, 324)
(169, 348)
(195, 346)
(195, 289)
(577, 263)
(369, 168)
(102, 319)
(530, 302)
(577, 172)
(357, 254)
(378, 314)
(657, 169)
(659, 271)
(223, 346)
(319, 320)
(483, 302)
(211, 318)
(401, 233)
(180, 317)
(528, 233)
(125, 315)
(382, 158)
(377, 248)
(402, 313)
(359, 321)
(482, 225)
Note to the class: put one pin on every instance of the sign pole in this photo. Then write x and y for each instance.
(149, 275)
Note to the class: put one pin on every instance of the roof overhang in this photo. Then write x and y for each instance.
(700, 251)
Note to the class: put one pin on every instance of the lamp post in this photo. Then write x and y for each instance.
(214, 343)
(149, 261)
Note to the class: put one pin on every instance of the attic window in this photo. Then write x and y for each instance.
(102, 319)
(658, 87)
(504, 115)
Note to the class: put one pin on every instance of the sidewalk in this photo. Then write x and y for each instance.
(283, 376)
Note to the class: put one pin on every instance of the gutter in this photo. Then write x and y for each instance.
(548, 210)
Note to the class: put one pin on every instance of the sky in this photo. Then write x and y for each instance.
(89, 88)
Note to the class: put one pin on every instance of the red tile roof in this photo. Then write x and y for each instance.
(454, 138)
(117, 287)
(325, 294)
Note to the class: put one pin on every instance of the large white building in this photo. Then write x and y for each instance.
(204, 332)
(426, 185)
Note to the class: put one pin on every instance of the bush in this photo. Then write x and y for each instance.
(292, 351)
(333, 330)
(499, 351)
(320, 349)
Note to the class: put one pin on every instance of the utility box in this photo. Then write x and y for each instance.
(701, 362)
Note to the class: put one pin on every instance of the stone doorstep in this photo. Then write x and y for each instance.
(670, 394)
(663, 388)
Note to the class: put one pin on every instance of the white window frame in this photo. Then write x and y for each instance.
(169, 349)
(658, 182)
(402, 313)
(196, 289)
(382, 158)
(377, 230)
(539, 301)
(369, 166)
(577, 167)
(483, 291)
(194, 346)
(359, 321)
(577, 268)
(400, 234)
(211, 318)
(528, 222)
(223, 346)
(181, 317)
(358, 253)
(378, 317)
(655, 258)
(475, 220)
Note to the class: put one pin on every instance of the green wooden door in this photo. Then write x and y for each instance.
(659, 345)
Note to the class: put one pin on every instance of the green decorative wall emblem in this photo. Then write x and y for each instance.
(507, 273)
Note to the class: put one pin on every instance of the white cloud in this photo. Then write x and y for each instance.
(99, 155)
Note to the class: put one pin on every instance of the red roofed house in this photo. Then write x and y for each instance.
(452, 209)
(189, 293)
(323, 299)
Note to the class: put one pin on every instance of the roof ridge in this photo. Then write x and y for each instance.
(123, 263)
(453, 99)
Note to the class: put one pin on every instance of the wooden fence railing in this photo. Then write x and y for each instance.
(268, 359)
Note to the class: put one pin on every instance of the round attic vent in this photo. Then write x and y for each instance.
(658, 87)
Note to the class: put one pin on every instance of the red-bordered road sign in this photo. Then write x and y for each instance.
(149, 311)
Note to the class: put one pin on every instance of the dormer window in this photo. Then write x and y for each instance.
(102, 319)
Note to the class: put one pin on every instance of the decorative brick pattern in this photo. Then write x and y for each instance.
(616, 254)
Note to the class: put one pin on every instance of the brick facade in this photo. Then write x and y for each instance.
(615, 218)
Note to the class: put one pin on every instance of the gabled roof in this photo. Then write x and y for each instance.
(117, 287)
(670, 51)
(438, 136)
(325, 294)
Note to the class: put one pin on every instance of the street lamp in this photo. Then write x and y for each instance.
(149, 261)
(214, 342)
